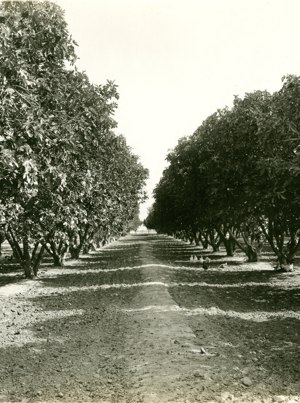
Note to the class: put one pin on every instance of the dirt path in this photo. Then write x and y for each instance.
(137, 322)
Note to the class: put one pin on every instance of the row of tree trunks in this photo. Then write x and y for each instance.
(275, 236)
(250, 245)
(30, 259)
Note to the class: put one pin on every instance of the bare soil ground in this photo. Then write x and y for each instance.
(138, 322)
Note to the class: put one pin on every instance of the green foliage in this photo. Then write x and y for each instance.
(135, 222)
(238, 173)
(64, 173)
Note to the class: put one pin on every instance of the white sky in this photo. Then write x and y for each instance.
(178, 61)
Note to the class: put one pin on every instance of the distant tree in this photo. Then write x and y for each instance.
(135, 222)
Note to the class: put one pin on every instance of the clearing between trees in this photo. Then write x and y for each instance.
(137, 321)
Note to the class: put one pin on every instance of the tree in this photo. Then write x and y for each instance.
(34, 47)
(135, 222)
(279, 171)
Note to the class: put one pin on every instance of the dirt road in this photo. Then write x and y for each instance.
(138, 322)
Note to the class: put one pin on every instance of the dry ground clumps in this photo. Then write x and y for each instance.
(136, 321)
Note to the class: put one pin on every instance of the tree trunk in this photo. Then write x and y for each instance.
(252, 252)
(293, 247)
(26, 266)
(205, 244)
(86, 248)
(93, 247)
(29, 262)
(17, 251)
(214, 239)
(58, 253)
(58, 260)
(2, 239)
(215, 244)
(252, 255)
(275, 238)
(38, 260)
(229, 243)
(75, 251)
(26, 263)
(215, 247)
(36, 245)
(229, 246)
(204, 240)
(196, 237)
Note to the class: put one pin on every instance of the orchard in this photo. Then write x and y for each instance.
(236, 180)
(96, 308)
(66, 179)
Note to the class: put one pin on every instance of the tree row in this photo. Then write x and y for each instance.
(66, 179)
(236, 179)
